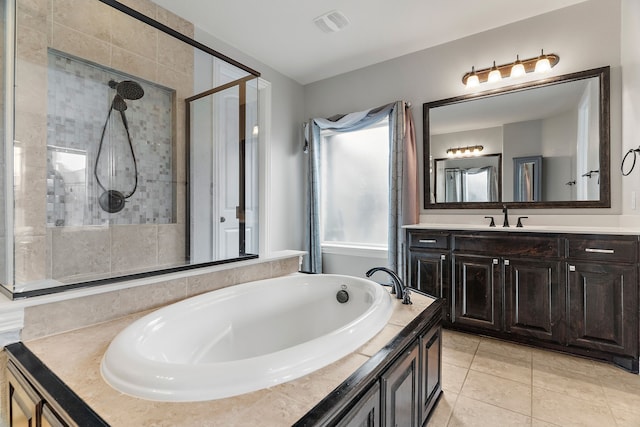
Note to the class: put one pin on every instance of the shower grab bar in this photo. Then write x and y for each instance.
(600, 251)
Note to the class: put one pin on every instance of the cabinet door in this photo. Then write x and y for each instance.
(534, 299)
(478, 291)
(603, 307)
(431, 386)
(23, 400)
(400, 388)
(366, 413)
(429, 273)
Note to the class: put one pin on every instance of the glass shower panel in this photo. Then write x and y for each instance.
(6, 140)
(251, 171)
(214, 129)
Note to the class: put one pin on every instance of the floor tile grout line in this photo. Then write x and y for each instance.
(495, 406)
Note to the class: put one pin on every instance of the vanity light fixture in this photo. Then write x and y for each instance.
(472, 79)
(494, 74)
(518, 68)
(539, 64)
(471, 150)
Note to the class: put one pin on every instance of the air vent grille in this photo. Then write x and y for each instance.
(331, 22)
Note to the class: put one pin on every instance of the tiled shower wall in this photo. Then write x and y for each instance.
(79, 104)
(97, 33)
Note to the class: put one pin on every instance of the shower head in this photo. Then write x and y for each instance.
(118, 103)
(127, 89)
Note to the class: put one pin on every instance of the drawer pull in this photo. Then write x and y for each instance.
(427, 241)
(600, 251)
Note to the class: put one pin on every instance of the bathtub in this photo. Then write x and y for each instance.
(245, 338)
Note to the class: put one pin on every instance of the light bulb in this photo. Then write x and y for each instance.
(494, 74)
(517, 70)
(543, 65)
(472, 80)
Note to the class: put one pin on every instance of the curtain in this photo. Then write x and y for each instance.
(403, 177)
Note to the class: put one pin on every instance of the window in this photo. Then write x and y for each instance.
(354, 190)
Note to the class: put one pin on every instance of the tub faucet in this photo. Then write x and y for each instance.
(505, 211)
(401, 291)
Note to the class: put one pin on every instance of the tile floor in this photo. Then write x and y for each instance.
(490, 383)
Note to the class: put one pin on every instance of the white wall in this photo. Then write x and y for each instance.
(585, 36)
(285, 183)
(630, 104)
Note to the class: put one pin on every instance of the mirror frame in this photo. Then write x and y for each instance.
(603, 75)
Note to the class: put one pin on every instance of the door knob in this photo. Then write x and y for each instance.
(222, 219)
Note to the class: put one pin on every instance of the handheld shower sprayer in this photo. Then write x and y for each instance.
(113, 201)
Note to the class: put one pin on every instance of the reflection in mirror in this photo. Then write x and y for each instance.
(473, 179)
(103, 148)
(563, 122)
(527, 172)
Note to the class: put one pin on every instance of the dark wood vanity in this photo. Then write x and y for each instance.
(576, 293)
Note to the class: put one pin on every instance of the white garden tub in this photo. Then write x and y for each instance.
(245, 337)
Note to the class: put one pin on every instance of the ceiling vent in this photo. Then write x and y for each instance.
(331, 22)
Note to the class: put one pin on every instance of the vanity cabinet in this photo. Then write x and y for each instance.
(576, 293)
(602, 294)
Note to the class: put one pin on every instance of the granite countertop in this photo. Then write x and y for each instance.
(528, 228)
(75, 358)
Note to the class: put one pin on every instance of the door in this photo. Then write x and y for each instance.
(429, 273)
(534, 299)
(400, 387)
(603, 307)
(366, 413)
(431, 374)
(477, 295)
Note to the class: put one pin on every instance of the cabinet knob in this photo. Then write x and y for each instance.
(506, 262)
(443, 257)
(572, 268)
(495, 261)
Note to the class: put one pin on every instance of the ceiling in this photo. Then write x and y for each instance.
(282, 35)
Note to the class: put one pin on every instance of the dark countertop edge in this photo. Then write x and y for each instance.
(55, 392)
(344, 397)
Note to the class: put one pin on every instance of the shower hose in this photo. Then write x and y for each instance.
(115, 198)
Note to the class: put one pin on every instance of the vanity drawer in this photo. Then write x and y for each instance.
(428, 240)
(603, 248)
(508, 246)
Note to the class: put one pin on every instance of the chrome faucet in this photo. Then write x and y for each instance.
(401, 291)
(505, 211)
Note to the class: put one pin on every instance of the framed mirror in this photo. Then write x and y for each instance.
(134, 151)
(552, 136)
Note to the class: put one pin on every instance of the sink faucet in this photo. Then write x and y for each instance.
(401, 291)
(505, 211)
